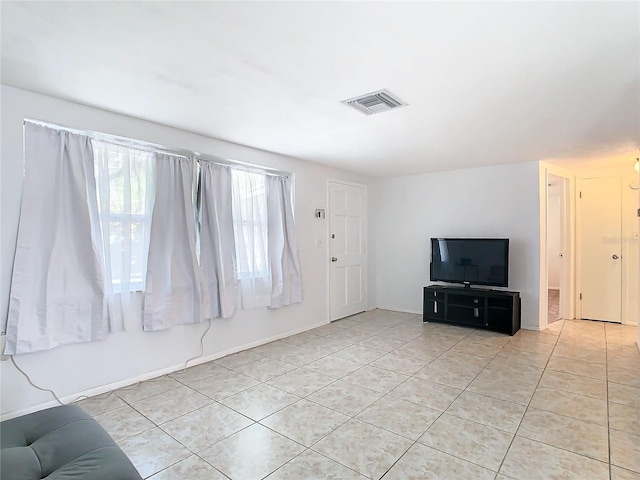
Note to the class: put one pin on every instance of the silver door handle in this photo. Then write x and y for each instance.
(615, 257)
(334, 259)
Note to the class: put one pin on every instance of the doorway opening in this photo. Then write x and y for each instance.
(558, 248)
(594, 273)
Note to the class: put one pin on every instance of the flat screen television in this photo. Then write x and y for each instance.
(470, 261)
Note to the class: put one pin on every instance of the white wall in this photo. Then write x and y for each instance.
(497, 201)
(553, 241)
(124, 357)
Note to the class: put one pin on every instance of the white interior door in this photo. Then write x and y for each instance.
(601, 249)
(347, 250)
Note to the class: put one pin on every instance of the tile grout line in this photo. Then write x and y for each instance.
(410, 376)
(235, 371)
(458, 396)
(606, 373)
(444, 411)
(159, 426)
(353, 417)
(528, 404)
(334, 336)
(465, 389)
(414, 442)
(265, 426)
(554, 446)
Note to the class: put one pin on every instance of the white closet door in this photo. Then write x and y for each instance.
(601, 249)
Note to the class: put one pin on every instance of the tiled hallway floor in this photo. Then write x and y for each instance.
(553, 306)
(382, 395)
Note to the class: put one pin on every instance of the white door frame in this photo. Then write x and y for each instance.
(568, 247)
(365, 237)
(638, 300)
(567, 300)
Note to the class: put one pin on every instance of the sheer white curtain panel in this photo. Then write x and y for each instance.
(125, 201)
(217, 242)
(286, 287)
(250, 222)
(57, 290)
(173, 293)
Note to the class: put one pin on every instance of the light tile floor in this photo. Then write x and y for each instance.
(553, 305)
(382, 395)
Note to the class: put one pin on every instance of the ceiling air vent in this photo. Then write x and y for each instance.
(375, 102)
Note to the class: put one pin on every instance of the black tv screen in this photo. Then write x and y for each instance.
(472, 261)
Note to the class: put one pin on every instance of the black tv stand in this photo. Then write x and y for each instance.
(496, 310)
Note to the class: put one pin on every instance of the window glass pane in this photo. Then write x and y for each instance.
(138, 254)
(128, 181)
(139, 176)
(116, 182)
(125, 197)
(115, 240)
(250, 224)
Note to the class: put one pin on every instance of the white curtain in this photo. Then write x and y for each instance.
(173, 288)
(125, 201)
(249, 204)
(217, 242)
(57, 290)
(286, 287)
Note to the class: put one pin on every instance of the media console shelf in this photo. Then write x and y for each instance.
(495, 310)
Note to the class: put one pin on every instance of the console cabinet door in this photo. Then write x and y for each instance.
(434, 305)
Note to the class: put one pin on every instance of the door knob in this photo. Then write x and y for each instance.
(334, 259)
(615, 257)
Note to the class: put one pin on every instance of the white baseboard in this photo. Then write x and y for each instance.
(530, 327)
(92, 392)
(402, 310)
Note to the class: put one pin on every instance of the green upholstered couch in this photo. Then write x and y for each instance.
(60, 443)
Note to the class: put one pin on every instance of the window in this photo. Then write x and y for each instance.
(250, 224)
(124, 179)
(102, 197)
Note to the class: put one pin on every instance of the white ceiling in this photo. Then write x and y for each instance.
(486, 83)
